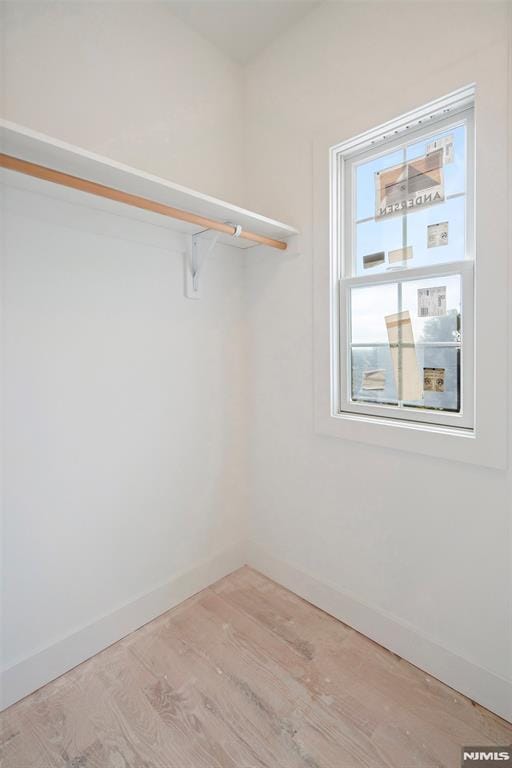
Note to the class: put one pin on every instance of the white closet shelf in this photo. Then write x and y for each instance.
(80, 164)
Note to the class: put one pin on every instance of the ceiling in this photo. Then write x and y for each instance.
(241, 28)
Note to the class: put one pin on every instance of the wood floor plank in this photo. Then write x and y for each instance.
(317, 734)
(207, 698)
(245, 675)
(259, 714)
(18, 747)
(338, 743)
(304, 627)
(70, 709)
(146, 739)
(175, 687)
(367, 669)
(303, 676)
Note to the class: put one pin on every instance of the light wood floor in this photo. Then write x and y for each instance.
(245, 674)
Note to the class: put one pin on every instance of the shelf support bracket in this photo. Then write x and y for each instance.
(195, 262)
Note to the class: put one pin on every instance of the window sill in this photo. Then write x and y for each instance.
(441, 442)
(420, 426)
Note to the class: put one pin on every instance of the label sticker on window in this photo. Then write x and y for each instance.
(403, 355)
(437, 234)
(432, 301)
(433, 379)
(401, 254)
(416, 184)
(446, 144)
(375, 379)
(374, 259)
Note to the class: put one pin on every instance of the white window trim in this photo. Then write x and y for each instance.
(486, 443)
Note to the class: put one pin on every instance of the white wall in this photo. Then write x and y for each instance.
(423, 543)
(129, 81)
(124, 447)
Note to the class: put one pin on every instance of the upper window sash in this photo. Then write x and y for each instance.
(346, 162)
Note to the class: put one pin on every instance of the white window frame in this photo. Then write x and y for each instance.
(345, 158)
(486, 443)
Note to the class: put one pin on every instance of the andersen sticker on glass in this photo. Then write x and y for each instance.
(415, 184)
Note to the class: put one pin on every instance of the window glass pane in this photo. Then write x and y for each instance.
(372, 375)
(434, 305)
(454, 146)
(369, 307)
(365, 182)
(373, 238)
(437, 234)
(441, 378)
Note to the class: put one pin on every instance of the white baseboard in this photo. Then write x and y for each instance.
(470, 679)
(479, 684)
(37, 670)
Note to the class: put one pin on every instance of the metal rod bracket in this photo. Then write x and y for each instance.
(194, 262)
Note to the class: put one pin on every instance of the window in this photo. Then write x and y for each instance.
(403, 246)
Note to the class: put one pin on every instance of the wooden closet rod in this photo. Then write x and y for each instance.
(91, 187)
